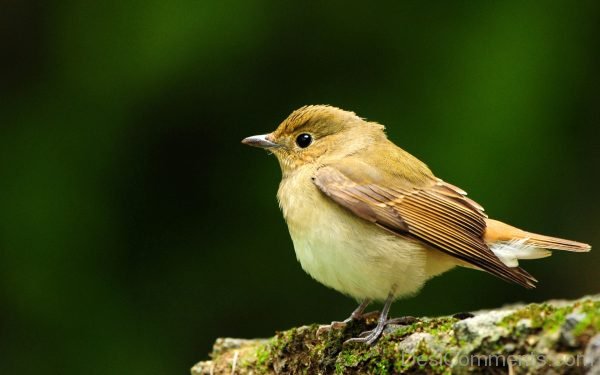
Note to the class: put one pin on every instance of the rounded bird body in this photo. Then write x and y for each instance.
(347, 253)
(373, 222)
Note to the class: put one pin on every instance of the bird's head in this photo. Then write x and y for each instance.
(315, 134)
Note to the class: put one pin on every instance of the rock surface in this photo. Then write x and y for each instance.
(555, 337)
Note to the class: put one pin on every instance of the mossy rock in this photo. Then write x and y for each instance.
(555, 337)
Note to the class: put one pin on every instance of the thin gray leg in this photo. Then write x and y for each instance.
(372, 336)
(358, 312)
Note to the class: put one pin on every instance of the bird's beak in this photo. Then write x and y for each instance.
(261, 141)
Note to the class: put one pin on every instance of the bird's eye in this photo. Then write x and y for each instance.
(304, 140)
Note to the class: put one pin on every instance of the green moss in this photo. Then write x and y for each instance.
(262, 355)
(381, 367)
(536, 314)
(348, 359)
(299, 350)
(422, 360)
(591, 322)
(551, 318)
(434, 327)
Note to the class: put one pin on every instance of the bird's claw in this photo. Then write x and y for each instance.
(371, 336)
(367, 337)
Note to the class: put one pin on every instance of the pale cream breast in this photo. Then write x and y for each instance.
(347, 253)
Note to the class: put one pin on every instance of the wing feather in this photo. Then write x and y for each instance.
(438, 214)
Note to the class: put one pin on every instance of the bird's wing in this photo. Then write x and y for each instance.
(435, 213)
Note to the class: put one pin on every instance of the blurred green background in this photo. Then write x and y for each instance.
(134, 226)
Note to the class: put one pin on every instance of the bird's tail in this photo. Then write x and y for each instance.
(511, 244)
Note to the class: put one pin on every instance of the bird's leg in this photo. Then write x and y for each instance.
(356, 315)
(358, 312)
(369, 337)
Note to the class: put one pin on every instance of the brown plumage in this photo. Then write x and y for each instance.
(401, 195)
(428, 214)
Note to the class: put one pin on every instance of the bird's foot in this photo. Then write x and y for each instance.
(370, 337)
(342, 325)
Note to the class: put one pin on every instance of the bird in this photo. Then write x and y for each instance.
(373, 222)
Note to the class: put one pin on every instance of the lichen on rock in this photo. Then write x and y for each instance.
(552, 337)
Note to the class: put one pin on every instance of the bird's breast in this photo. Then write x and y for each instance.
(343, 251)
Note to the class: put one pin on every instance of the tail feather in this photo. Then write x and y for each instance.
(511, 244)
(553, 243)
(497, 231)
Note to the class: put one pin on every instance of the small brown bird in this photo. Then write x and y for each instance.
(372, 221)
